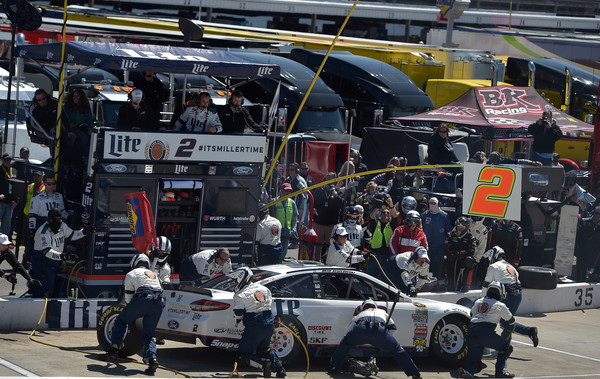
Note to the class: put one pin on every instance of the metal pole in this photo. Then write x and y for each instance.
(11, 71)
(449, 28)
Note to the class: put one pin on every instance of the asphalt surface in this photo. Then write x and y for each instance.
(568, 349)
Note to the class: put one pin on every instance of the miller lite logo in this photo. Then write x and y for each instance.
(128, 64)
(262, 71)
(199, 68)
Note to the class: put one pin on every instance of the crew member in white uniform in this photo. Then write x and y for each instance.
(358, 235)
(252, 305)
(200, 118)
(410, 271)
(43, 202)
(143, 296)
(158, 258)
(268, 239)
(341, 253)
(205, 264)
(485, 314)
(48, 248)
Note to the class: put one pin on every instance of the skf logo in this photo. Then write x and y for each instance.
(128, 64)
(199, 68)
(262, 71)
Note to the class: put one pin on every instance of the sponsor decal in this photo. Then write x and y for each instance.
(420, 305)
(118, 144)
(216, 218)
(116, 168)
(181, 169)
(252, 218)
(199, 68)
(173, 324)
(319, 327)
(260, 297)
(196, 316)
(178, 312)
(241, 218)
(317, 340)
(483, 308)
(234, 331)
(157, 151)
(243, 171)
(150, 274)
(224, 344)
(420, 316)
(178, 298)
(262, 71)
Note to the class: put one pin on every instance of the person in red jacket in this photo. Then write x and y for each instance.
(409, 236)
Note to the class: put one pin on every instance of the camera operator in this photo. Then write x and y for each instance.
(383, 220)
(545, 133)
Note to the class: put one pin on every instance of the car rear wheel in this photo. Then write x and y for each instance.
(284, 343)
(449, 340)
(132, 342)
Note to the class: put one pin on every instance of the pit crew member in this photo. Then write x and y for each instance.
(409, 236)
(459, 262)
(7, 255)
(205, 264)
(252, 306)
(410, 271)
(143, 296)
(341, 253)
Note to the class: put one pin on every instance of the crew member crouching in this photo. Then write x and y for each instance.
(410, 271)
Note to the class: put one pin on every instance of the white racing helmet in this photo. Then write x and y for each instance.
(241, 277)
(494, 254)
(140, 260)
(369, 303)
(496, 291)
(162, 248)
(409, 203)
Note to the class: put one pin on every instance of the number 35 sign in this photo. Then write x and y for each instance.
(492, 191)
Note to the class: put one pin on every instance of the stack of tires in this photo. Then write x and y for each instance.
(539, 278)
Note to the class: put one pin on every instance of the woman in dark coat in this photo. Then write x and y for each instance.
(440, 149)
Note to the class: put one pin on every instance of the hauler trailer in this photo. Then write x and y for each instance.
(204, 188)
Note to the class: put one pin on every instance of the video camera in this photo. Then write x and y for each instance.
(379, 199)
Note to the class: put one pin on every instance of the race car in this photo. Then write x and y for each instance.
(316, 302)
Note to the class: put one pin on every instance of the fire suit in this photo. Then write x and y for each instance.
(459, 261)
(404, 240)
(508, 238)
(436, 227)
(405, 272)
(343, 255)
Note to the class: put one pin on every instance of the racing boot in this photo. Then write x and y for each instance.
(504, 374)
(266, 367)
(534, 336)
(462, 373)
(417, 376)
(113, 354)
(152, 365)
(482, 366)
(281, 372)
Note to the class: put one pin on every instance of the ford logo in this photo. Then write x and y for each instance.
(538, 179)
(116, 168)
(173, 324)
(243, 170)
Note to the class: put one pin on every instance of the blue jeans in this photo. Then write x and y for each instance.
(513, 302)
(482, 335)
(378, 337)
(43, 269)
(285, 242)
(256, 339)
(5, 218)
(150, 310)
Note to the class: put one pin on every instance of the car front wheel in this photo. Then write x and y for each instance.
(449, 340)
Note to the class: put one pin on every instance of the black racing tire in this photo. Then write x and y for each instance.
(539, 278)
(448, 341)
(132, 342)
(284, 344)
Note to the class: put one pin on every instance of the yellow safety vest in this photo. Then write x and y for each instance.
(377, 239)
(282, 214)
(30, 196)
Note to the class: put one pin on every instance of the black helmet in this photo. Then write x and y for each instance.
(352, 215)
(496, 291)
(463, 221)
(263, 211)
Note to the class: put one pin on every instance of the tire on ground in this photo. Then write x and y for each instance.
(285, 344)
(540, 278)
(448, 341)
(132, 342)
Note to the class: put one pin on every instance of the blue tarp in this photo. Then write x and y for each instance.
(156, 58)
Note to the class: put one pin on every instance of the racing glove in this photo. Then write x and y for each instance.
(90, 229)
(34, 282)
(412, 291)
(367, 254)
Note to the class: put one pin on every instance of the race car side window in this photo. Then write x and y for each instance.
(352, 287)
(296, 286)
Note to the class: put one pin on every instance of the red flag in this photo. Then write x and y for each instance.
(141, 221)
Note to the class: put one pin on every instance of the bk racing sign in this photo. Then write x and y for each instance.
(492, 191)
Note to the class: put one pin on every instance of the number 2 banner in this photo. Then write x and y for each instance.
(492, 191)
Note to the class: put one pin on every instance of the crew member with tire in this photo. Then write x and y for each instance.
(503, 272)
(252, 305)
(485, 314)
(143, 296)
(369, 327)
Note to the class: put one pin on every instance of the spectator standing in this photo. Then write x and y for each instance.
(440, 150)
(359, 167)
(545, 133)
(32, 190)
(48, 251)
(22, 166)
(397, 185)
(136, 115)
(298, 183)
(328, 210)
(366, 199)
(383, 220)
(287, 213)
(347, 187)
(304, 172)
(7, 204)
(235, 118)
(44, 110)
(481, 233)
(587, 245)
(436, 225)
(409, 236)
(154, 91)
(417, 180)
(199, 118)
(205, 264)
(268, 239)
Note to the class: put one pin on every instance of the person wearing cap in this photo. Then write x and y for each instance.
(21, 166)
(153, 89)
(7, 255)
(136, 114)
(268, 238)
(341, 253)
(410, 271)
(7, 203)
(287, 213)
(199, 118)
(48, 250)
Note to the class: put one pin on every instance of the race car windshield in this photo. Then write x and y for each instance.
(224, 283)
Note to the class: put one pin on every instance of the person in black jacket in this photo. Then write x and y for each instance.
(135, 114)
(44, 111)
(440, 150)
(154, 92)
(235, 118)
(545, 133)
(7, 204)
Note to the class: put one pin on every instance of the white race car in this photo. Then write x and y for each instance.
(316, 302)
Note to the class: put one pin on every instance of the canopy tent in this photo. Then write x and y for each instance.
(500, 112)
(155, 58)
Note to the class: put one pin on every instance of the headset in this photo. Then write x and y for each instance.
(236, 93)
